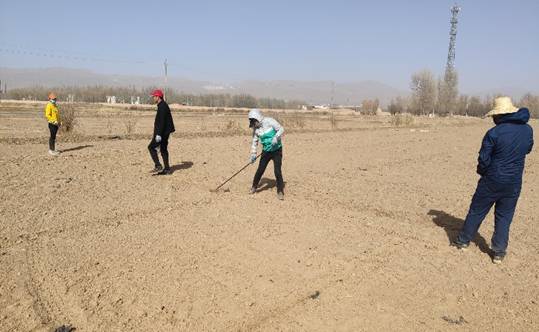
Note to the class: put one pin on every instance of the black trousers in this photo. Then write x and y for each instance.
(52, 139)
(277, 157)
(163, 146)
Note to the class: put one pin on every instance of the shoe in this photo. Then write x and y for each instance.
(252, 191)
(497, 259)
(54, 153)
(156, 169)
(460, 245)
(280, 196)
(165, 171)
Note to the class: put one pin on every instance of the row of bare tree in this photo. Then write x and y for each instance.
(431, 96)
(99, 94)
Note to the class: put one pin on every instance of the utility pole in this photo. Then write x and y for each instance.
(165, 64)
(332, 102)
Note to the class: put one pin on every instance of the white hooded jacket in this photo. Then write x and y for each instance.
(265, 132)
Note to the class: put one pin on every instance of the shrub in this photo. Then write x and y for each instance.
(402, 120)
(333, 120)
(369, 107)
(296, 122)
(293, 122)
(397, 105)
(233, 127)
(130, 125)
(532, 103)
(68, 118)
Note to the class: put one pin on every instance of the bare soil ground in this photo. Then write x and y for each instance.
(360, 243)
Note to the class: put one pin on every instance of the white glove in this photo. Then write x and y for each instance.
(253, 158)
(158, 138)
(274, 140)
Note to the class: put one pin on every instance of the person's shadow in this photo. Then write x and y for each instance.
(452, 226)
(80, 147)
(267, 184)
(180, 166)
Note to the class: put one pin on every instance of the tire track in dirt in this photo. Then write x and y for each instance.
(46, 300)
(104, 222)
(40, 307)
(53, 303)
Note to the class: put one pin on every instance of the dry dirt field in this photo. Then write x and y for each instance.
(360, 243)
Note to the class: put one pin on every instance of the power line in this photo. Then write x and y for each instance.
(42, 53)
(64, 56)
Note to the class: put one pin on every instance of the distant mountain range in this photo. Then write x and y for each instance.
(319, 92)
(316, 92)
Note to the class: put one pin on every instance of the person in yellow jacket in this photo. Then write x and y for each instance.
(53, 118)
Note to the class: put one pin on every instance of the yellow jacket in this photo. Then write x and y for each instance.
(51, 113)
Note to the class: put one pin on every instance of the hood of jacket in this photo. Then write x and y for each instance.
(256, 114)
(522, 116)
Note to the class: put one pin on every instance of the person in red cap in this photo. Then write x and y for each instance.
(162, 128)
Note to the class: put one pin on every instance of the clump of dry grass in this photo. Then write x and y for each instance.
(402, 120)
(333, 120)
(296, 122)
(233, 127)
(68, 118)
(291, 122)
(130, 124)
(202, 125)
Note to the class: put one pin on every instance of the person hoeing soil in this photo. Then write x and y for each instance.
(269, 132)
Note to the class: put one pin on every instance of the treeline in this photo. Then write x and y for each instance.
(440, 97)
(101, 94)
(465, 105)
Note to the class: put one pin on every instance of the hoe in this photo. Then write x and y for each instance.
(230, 178)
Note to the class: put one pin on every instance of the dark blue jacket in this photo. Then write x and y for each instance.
(504, 148)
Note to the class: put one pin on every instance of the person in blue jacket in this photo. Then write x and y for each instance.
(500, 164)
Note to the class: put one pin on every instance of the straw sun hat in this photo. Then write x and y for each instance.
(502, 105)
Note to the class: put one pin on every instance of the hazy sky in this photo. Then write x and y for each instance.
(497, 43)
